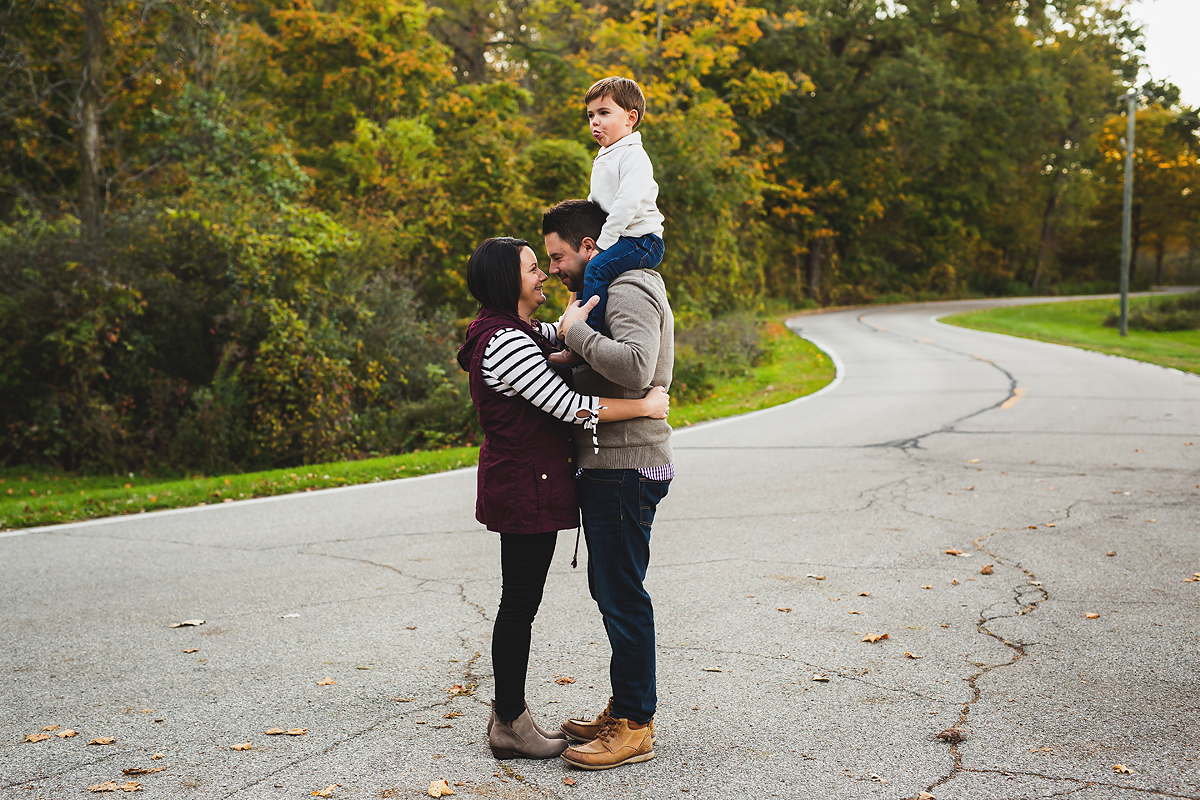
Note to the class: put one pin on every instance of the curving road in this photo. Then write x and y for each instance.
(789, 536)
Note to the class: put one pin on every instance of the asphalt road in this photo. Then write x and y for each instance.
(788, 537)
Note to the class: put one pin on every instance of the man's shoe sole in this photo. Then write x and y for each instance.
(632, 760)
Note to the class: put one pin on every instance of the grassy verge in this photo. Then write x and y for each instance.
(793, 368)
(28, 497)
(1081, 324)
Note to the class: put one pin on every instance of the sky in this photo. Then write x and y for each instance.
(1170, 28)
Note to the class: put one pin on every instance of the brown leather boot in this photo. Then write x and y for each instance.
(520, 738)
(615, 744)
(585, 730)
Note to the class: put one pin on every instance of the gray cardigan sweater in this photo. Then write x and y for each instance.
(638, 353)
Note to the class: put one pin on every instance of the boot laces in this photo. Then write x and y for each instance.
(608, 729)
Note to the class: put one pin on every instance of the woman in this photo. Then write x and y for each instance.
(526, 483)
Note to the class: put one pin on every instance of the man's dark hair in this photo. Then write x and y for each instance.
(573, 220)
(494, 272)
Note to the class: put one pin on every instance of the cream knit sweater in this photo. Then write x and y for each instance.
(623, 185)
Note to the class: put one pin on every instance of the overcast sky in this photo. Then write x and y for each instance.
(1171, 28)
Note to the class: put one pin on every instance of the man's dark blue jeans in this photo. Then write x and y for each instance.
(618, 508)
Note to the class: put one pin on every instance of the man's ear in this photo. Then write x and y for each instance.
(588, 245)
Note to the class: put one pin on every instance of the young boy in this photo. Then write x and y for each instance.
(623, 185)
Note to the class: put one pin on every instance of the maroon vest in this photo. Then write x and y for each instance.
(526, 480)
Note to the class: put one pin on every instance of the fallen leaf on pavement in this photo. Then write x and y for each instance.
(953, 735)
(37, 737)
(564, 680)
(113, 786)
(954, 582)
(326, 682)
(817, 577)
(875, 777)
(1092, 616)
(326, 792)
(1051, 525)
(569, 781)
(192, 650)
(874, 637)
(1121, 768)
(67, 734)
(864, 594)
(439, 788)
(784, 610)
(242, 746)
(453, 714)
(412, 627)
(103, 740)
(910, 655)
(986, 570)
(141, 770)
(821, 678)
(926, 587)
(188, 623)
(1031, 527)
(972, 460)
(1041, 750)
(273, 732)
(51, 727)
(456, 689)
(926, 796)
(156, 756)
(855, 612)
(404, 699)
(953, 552)
(713, 669)
(297, 731)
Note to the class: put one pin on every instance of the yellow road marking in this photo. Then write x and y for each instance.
(919, 339)
(981, 358)
(1018, 393)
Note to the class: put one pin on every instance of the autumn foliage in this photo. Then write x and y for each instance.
(285, 191)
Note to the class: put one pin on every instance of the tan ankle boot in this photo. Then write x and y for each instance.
(615, 744)
(520, 739)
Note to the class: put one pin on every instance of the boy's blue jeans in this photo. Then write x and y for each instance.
(642, 252)
(618, 508)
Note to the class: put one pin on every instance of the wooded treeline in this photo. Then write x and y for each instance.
(232, 232)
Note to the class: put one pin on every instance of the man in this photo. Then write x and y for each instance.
(625, 470)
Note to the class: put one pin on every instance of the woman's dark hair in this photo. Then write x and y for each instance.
(494, 272)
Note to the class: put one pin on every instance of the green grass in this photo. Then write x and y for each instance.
(1080, 323)
(793, 368)
(31, 497)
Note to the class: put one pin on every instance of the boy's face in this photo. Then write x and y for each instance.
(610, 123)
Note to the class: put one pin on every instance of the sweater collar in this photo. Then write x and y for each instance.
(632, 139)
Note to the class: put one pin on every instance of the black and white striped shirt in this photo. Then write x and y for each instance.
(513, 365)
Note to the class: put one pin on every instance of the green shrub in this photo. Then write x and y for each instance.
(708, 352)
(1179, 312)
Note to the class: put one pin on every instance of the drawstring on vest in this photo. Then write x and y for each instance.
(575, 558)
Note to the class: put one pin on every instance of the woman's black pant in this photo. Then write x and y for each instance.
(524, 562)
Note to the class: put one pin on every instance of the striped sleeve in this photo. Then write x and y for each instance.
(513, 365)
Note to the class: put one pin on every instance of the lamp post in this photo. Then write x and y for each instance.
(1131, 99)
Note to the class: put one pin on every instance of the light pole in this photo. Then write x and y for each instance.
(1131, 99)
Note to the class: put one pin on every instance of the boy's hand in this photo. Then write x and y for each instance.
(575, 313)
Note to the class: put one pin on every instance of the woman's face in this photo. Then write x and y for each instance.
(531, 284)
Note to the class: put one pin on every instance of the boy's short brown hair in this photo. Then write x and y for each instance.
(623, 91)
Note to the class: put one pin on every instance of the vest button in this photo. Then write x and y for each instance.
(543, 476)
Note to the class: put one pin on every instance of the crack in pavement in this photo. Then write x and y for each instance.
(60, 773)
(1087, 782)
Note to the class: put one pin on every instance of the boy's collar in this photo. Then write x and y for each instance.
(633, 138)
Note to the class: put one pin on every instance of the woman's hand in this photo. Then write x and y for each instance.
(657, 402)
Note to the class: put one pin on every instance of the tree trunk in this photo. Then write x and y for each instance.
(89, 116)
(1046, 244)
(1137, 236)
(816, 255)
(1160, 250)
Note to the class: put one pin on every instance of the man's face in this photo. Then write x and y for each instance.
(566, 263)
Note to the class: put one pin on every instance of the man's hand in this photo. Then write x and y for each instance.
(575, 313)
